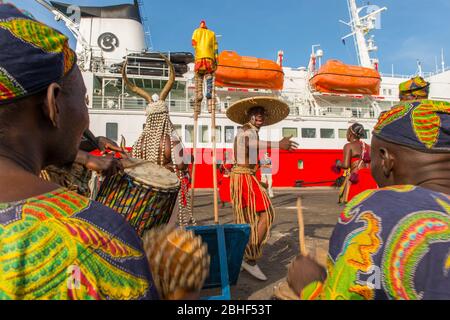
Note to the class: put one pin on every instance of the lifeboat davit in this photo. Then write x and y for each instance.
(337, 77)
(248, 72)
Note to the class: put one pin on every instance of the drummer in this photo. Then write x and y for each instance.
(393, 243)
(55, 244)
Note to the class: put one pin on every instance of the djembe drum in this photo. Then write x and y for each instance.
(145, 194)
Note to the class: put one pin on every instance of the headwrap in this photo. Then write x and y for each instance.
(422, 125)
(416, 86)
(32, 55)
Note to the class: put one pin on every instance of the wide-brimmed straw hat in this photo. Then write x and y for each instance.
(276, 110)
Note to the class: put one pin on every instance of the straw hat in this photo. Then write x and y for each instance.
(276, 109)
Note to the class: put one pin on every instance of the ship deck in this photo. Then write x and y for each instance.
(320, 210)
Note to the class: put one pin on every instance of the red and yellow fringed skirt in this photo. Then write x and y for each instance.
(250, 200)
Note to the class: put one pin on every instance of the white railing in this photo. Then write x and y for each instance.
(186, 106)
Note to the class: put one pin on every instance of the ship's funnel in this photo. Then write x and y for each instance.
(112, 31)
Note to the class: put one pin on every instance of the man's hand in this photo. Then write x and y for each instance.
(107, 166)
(105, 144)
(288, 144)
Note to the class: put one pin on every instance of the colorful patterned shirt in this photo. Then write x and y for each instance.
(391, 243)
(63, 246)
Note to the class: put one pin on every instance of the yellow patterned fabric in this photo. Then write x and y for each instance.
(62, 246)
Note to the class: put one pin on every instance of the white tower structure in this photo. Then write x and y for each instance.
(361, 28)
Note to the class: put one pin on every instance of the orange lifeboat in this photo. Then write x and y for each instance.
(248, 72)
(337, 77)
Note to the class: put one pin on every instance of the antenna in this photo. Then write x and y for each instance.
(442, 60)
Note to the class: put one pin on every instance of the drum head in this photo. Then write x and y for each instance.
(153, 175)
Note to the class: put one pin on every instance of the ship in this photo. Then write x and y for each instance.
(324, 100)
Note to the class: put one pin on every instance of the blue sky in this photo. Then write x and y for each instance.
(410, 29)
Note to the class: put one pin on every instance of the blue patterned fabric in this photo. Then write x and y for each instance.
(32, 55)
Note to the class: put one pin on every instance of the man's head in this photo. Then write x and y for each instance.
(414, 89)
(355, 132)
(203, 24)
(43, 109)
(411, 145)
(257, 116)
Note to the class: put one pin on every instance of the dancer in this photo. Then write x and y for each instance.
(159, 143)
(251, 204)
(224, 189)
(206, 52)
(393, 243)
(358, 177)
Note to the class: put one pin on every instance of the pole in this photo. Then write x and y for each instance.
(213, 140)
(194, 153)
(301, 228)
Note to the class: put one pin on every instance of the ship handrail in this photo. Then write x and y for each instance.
(297, 108)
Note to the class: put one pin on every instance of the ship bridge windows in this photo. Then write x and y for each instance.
(229, 134)
(112, 131)
(343, 134)
(204, 134)
(178, 130)
(309, 133)
(189, 133)
(290, 132)
(327, 133)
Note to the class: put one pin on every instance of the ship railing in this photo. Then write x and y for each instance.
(138, 104)
(121, 103)
(303, 110)
(424, 74)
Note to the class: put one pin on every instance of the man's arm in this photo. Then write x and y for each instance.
(107, 166)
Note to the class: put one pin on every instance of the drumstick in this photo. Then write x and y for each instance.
(301, 228)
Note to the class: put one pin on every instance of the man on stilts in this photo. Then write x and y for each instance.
(251, 203)
(206, 52)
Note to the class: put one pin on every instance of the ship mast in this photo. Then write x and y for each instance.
(361, 28)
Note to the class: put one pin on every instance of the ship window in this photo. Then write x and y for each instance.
(189, 134)
(309, 133)
(343, 133)
(112, 131)
(229, 134)
(390, 92)
(204, 134)
(327, 133)
(218, 134)
(178, 130)
(301, 165)
(288, 132)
